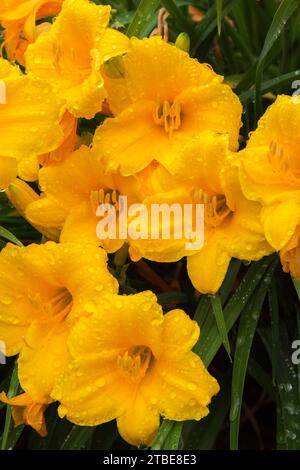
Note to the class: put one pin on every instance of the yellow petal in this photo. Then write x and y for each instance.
(280, 222)
(12, 336)
(207, 154)
(139, 425)
(45, 343)
(208, 268)
(212, 107)
(290, 255)
(180, 388)
(29, 123)
(21, 195)
(26, 411)
(137, 141)
(180, 332)
(81, 224)
(91, 392)
(8, 171)
(255, 169)
(165, 73)
(132, 320)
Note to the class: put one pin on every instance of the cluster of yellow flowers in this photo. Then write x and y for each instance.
(170, 134)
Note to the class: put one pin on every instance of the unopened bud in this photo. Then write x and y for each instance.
(183, 42)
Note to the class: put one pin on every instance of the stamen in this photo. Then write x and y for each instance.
(168, 116)
(281, 163)
(135, 362)
(215, 208)
(58, 307)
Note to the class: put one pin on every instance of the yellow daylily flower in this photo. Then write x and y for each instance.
(18, 18)
(74, 188)
(71, 192)
(70, 54)
(134, 365)
(159, 188)
(27, 411)
(44, 289)
(270, 174)
(232, 222)
(29, 123)
(160, 106)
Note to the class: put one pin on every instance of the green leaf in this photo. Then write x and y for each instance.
(172, 440)
(209, 24)
(283, 13)
(261, 377)
(77, 437)
(272, 85)
(7, 235)
(297, 286)
(162, 435)
(10, 436)
(219, 316)
(142, 22)
(247, 327)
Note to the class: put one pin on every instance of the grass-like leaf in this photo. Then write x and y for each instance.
(283, 13)
(142, 22)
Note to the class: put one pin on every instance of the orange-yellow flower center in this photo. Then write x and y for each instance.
(135, 362)
(281, 161)
(71, 59)
(168, 115)
(215, 208)
(57, 307)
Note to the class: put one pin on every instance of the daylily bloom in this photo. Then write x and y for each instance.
(232, 222)
(70, 54)
(160, 106)
(18, 18)
(73, 189)
(26, 411)
(134, 365)
(270, 174)
(30, 115)
(44, 289)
